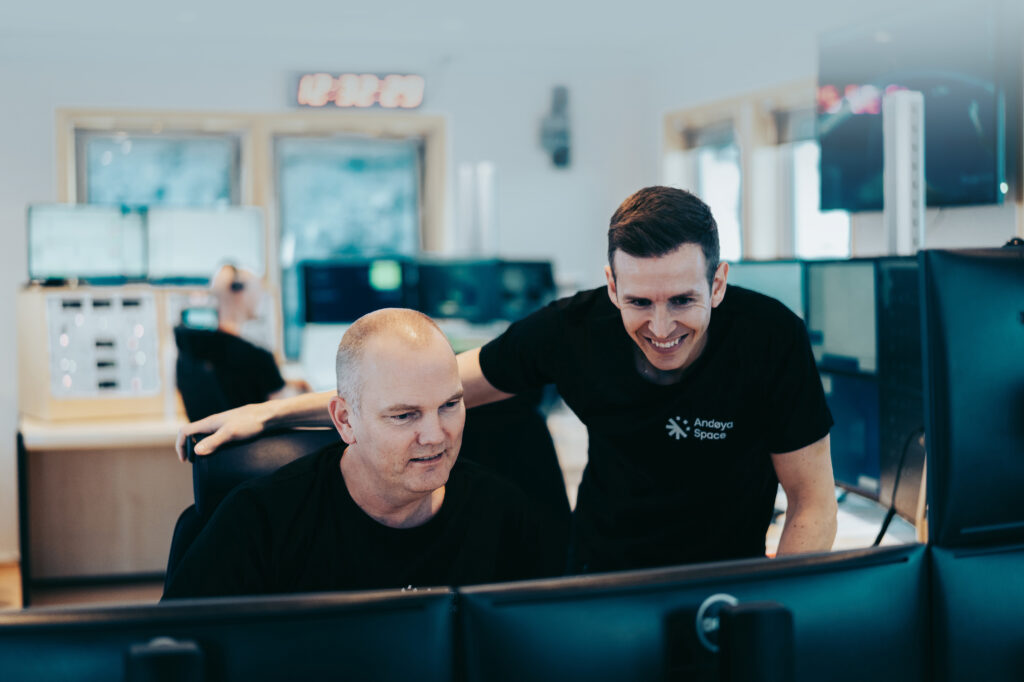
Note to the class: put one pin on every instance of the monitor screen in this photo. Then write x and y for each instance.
(190, 244)
(85, 242)
(841, 314)
(389, 635)
(526, 286)
(962, 61)
(344, 291)
(782, 280)
(973, 330)
(854, 437)
(855, 613)
(459, 289)
(900, 389)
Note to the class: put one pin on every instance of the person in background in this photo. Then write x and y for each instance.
(218, 369)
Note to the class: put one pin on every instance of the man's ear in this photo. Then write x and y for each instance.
(612, 293)
(341, 417)
(718, 284)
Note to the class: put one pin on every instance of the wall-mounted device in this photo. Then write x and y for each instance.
(554, 129)
(89, 353)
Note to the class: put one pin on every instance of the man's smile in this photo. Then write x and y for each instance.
(429, 458)
(666, 345)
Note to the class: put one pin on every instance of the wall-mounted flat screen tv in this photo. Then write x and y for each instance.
(967, 64)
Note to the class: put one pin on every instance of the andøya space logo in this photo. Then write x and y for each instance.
(700, 429)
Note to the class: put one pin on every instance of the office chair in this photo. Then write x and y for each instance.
(217, 474)
(196, 377)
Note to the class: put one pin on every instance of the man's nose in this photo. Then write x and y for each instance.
(661, 324)
(431, 430)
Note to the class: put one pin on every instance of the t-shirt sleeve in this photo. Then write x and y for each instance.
(799, 412)
(525, 356)
(230, 555)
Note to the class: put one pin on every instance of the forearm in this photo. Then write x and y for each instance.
(307, 409)
(808, 528)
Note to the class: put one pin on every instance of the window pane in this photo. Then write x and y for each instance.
(718, 174)
(818, 234)
(343, 197)
(157, 170)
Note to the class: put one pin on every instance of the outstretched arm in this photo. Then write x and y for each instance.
(806, 476)
(308, 409)
(311, 409)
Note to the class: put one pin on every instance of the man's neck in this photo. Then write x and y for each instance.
(402, 510)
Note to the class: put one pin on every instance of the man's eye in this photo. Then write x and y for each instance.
(405, 416)
(640, 303)
(682, 300)
(450, 404)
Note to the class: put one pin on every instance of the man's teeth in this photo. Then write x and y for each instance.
(427, 458)
(665, 346)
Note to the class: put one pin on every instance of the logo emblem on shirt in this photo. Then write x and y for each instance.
(677, 430)
(701, 429)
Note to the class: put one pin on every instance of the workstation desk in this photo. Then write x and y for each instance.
(98, 499)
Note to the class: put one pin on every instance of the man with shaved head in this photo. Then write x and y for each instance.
(386, 507)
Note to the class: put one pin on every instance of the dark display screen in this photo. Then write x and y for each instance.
(954, 59)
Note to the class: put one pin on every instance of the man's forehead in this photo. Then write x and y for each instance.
(675, 274)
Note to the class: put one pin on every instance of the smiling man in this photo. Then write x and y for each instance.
(387, 507)
(698, 398)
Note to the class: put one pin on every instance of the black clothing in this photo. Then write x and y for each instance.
(511, 438)
(298, 530)
(217, 371)
(678, 473)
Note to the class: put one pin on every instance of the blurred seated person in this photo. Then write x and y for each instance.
(218, 369)
(387, 507)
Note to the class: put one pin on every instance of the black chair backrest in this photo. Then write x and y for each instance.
(197, 380)
(216, 474)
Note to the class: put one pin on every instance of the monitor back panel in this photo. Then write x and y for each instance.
(857, 615)
(366, 636)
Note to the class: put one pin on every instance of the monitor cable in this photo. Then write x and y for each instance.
(891, 512)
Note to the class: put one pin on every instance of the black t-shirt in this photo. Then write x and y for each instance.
(678, 473)
(298, 530)
(245, 373)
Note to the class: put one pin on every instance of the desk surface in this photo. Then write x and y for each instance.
(95, 433)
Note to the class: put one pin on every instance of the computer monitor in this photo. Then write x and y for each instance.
(841, 314)
(854, 402)
(92, 243)
(977, 601)
(782, 280)
(525, 286)
(973, 330)
(841, 324)
(463, 289)
(342, 291)
(857, 615)
(386, 635)
(900, 388)
(188, 245)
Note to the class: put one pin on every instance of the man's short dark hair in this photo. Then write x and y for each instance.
(656, 221)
